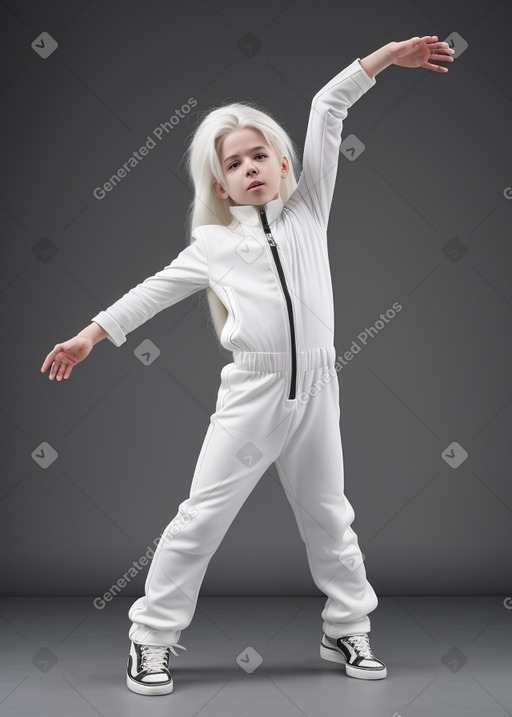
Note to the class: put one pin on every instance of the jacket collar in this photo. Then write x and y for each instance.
(250, 216)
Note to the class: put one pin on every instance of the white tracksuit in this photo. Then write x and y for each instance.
(278, 400)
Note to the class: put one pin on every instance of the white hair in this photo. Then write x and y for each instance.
(203, 167)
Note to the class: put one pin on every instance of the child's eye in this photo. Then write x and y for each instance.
(258, 155)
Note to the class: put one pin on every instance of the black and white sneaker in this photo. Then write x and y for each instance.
(355, 653)
(147, 671)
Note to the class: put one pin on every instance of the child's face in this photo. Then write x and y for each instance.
(245, 158)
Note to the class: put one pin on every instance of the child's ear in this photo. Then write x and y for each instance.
(219, 190)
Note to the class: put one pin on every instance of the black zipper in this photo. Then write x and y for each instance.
(273, 247)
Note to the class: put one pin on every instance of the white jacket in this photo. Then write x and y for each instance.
(278, 298)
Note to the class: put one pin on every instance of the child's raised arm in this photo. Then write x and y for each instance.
(329, 109)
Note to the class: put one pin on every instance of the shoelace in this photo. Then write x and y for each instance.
(154, 657)
(361, 644)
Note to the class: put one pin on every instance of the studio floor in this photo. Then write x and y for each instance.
(252, 656)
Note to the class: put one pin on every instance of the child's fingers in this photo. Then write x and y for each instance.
(47, 362)
(442, 47)
(57, 372)
(439, 55)
(63, 370)
(50, 358)
(435, 68)
(56, 366)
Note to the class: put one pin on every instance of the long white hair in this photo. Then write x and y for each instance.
(203, 167)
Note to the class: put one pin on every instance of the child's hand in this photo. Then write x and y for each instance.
(418, 51)
(66, 355)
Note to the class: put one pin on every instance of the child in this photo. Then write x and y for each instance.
(259, 248)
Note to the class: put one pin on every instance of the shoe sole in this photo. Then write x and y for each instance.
(148, 689)
(361, 673)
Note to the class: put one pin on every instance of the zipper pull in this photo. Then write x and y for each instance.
(266, 228)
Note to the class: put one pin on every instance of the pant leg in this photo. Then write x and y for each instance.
(312, 473)
(244, 437)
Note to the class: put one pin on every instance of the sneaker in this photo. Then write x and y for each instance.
(147, 671)
(355, 653)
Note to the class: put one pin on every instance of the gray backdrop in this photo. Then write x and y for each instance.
(95, 466)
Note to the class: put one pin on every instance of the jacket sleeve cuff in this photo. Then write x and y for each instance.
(360, 77)
(115, 334)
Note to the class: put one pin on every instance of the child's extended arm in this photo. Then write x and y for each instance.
(186, 274)
(329, 109)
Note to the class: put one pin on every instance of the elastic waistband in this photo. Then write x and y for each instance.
(319, 357)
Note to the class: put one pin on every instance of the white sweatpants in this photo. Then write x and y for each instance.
(255, 424)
